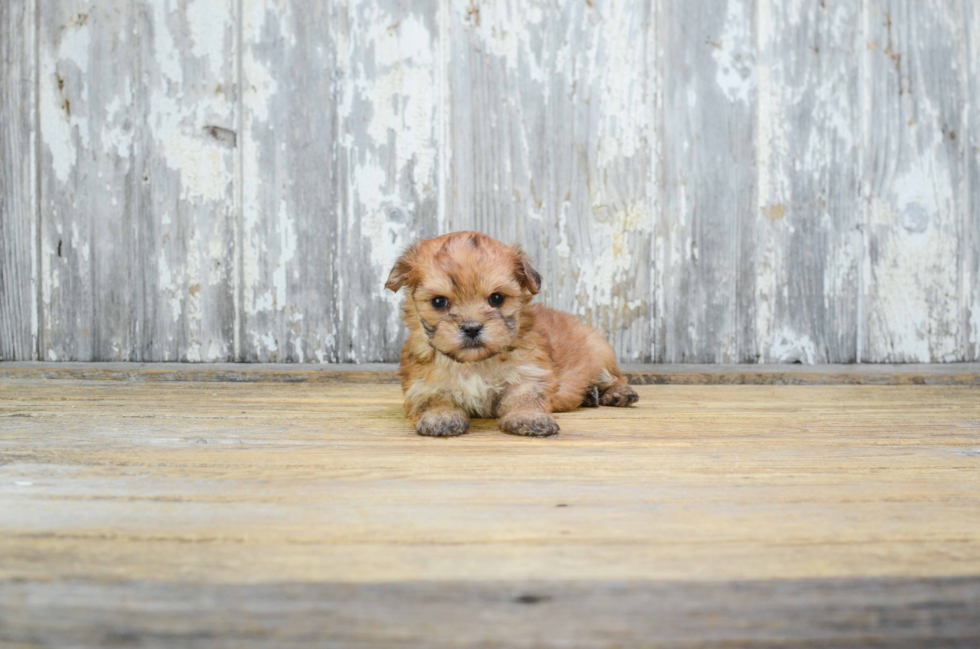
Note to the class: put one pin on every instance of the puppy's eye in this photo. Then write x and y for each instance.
(496, 299)
(440, 303)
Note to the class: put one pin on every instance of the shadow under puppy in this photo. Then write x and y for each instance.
(477, 347)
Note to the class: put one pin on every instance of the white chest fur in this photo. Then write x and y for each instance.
(475, 387)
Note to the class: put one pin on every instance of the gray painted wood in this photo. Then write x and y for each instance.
(706, 234)
(851, 612)
(87, 79)
(340, 172)
(808, 222)
(290, 184)
(183, 179)
(734, 180)
(970, 262)
(137, 180)
(18, 308)
(915, 176)
(553, 131)
(389, 161)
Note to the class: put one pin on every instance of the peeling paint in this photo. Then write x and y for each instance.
(60, 129)
(733, 53)
(207, 20)
(797, 139)
(915, 311)
(287, 251)
(599, 277)
(791, 347)
(202, 166)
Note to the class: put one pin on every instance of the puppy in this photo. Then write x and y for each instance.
(477, 347)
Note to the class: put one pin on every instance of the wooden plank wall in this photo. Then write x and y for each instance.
(713, 181)
(18, 208)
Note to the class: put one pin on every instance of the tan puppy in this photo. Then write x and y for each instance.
(477, 347)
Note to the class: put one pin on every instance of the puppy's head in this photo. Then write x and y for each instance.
(466, 292)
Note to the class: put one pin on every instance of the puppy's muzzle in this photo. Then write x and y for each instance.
(471, 331)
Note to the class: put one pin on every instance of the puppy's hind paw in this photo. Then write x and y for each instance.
(591, 398)
(442, 424)
(531, 424)
(619, 396)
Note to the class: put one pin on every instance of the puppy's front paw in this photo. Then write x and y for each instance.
(532, 424)
(619, 396)
(443, 424)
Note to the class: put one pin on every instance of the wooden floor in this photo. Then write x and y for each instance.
(193, 514)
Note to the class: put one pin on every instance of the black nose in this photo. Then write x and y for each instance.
(472, 329)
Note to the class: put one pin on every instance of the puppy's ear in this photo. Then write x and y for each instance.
(404, 268)
(525, 273)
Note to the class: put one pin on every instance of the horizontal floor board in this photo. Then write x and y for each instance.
(799, 613)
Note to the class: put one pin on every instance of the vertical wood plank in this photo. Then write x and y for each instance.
(706, 239)
(391, 93)
(136, 103)
(87, 83)
(183, 251)
(971, 246)
(340, 172)
(553, 138)
(290, 200)
(809, 217)
(18, 207)
(915, 175)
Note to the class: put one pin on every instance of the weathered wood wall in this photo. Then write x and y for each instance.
(709, 181)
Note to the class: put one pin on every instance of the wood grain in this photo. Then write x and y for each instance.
(835, 515)
(89, 209)
(917, 219)
(554, 123)
(390, 161)
(185, 120)
(137, 106)
(808, 221)
(341, 171)
(18, 191)
(840, 613)
(706, 242)
(724, 181)
(290, 183)
(970, 261)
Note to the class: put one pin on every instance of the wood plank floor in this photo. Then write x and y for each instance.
(270, 514)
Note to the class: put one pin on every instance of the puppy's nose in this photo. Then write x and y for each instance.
(472, 329)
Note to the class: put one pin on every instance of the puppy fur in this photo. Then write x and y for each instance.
(477, 347)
